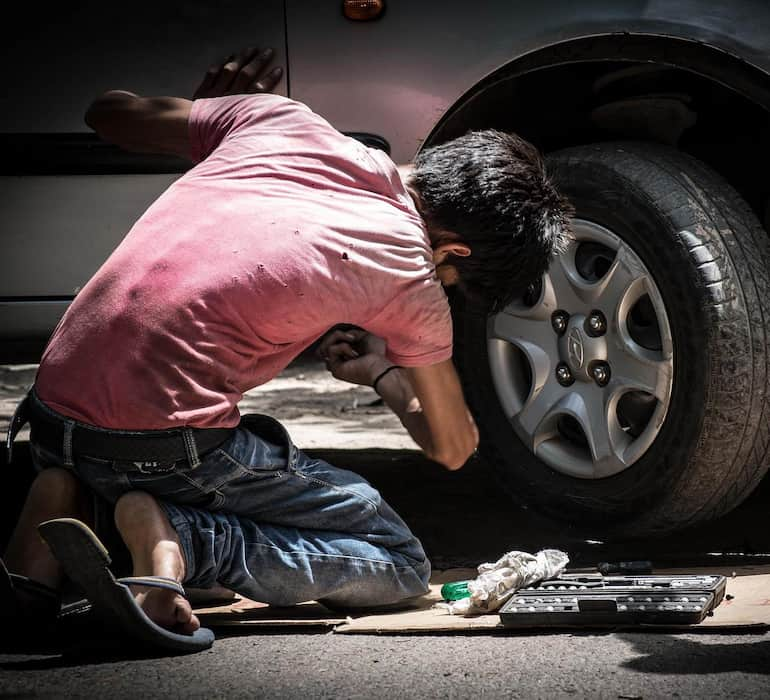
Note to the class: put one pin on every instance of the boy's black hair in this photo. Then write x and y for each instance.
(491, 189)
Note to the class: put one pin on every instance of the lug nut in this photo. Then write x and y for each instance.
(596, 324)
(559, 321)
(564, 375)
(601, 373)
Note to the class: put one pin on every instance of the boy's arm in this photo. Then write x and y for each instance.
(430, 403)
(428, 400)
(142, 124)
(160, 124)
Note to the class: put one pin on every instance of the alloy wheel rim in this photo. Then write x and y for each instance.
(583, 365)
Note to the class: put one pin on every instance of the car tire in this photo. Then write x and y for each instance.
(709, 258)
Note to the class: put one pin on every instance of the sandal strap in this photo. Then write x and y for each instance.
(23, 597)
(154, 582)
(27, 585)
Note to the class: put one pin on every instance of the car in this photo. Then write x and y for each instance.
(626, 392)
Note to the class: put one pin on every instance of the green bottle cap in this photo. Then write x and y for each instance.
(455, 590)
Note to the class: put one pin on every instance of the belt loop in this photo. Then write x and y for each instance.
(69, 426)
(191, 448)
(18, 421)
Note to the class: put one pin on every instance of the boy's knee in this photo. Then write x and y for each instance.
(54, 482)
(132, 506)
(401, 587)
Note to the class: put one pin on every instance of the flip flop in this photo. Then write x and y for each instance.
(25, 600)
(85, 560)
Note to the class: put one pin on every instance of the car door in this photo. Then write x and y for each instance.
(66, 199)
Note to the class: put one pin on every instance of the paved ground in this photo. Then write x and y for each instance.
(462, 519)
(336, 666)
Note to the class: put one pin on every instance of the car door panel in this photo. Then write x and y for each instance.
(63, 209)
(54, 66)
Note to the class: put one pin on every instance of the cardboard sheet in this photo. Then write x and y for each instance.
(248, 613)
(746, 605)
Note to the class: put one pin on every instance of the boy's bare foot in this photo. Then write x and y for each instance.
(155, 551)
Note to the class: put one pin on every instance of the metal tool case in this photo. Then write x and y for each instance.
(593, 599)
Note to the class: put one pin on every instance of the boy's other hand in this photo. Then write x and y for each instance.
(240, 74)
(353, 356)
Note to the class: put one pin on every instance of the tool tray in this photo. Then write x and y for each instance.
(594, 599)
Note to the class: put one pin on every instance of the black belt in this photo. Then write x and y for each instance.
(48, 429)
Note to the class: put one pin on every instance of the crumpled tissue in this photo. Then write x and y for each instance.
(499, 581)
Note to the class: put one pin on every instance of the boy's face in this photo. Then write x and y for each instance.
(447, 274)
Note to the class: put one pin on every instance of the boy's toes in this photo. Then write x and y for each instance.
(187, 622)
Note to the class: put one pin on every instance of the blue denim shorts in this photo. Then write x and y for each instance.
(261, 517)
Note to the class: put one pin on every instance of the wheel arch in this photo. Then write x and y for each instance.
(722, 91)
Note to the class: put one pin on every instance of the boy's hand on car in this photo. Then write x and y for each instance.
(240, 74)
(354, 356)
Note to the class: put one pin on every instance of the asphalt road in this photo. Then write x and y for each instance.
(337, 666)
(462, 519)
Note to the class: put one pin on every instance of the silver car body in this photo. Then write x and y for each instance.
(399, 77)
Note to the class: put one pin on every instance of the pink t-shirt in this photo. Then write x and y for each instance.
(284, 228)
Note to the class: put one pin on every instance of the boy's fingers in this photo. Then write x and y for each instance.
(267, 83)
(207, 83)
(326, 342)
(341, 351)
(252, 66)
(230, 69)
(336, 337)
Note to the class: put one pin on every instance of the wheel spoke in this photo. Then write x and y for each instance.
(636, 368)
(565, 284)
(537, 418)
(541, 310)
(533, 336)
(606, 439)
(623, 284)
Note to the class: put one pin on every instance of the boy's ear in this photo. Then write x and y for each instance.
(440, 252)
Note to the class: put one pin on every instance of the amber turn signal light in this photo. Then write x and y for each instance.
(362, 10)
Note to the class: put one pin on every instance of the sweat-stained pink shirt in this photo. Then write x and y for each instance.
(284, 228)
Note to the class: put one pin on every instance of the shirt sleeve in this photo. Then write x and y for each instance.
(416, 325)
(212, 120)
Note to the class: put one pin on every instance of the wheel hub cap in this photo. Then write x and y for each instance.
(584, 373)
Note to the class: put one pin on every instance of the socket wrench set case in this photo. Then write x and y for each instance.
(594, 599)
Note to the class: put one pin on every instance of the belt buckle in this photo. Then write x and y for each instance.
(154, 467)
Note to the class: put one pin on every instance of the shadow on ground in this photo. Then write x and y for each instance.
(463, 518)
(665, 654)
